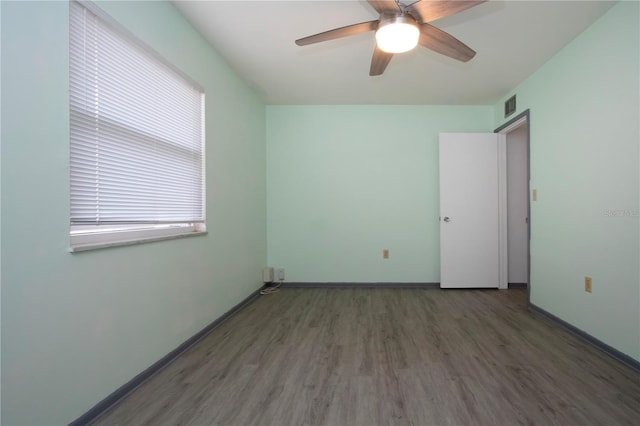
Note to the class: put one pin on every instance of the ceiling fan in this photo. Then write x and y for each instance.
(401, 27)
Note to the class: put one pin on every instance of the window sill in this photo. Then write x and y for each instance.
(124, 241)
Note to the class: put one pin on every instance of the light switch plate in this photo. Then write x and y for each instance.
(587, 284)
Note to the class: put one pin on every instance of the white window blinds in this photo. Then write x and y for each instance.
(137, 131)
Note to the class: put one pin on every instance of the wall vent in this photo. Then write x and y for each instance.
(510, 106)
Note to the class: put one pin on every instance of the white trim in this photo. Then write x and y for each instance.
(503, 276)
(84, 241)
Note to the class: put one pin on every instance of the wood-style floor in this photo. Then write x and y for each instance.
(387, 357)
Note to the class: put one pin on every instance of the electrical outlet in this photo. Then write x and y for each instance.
(280, 274)
(587, 284)
(385, 253)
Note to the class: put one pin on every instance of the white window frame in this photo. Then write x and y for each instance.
(89, 236)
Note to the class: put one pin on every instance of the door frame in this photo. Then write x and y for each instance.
(517, 121)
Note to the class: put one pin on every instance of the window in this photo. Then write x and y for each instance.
(137, 139)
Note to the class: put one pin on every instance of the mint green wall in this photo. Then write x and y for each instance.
(0, 230)
(346, 182)
(585, 113)
(75, 327)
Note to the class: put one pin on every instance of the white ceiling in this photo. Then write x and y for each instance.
(512, 39)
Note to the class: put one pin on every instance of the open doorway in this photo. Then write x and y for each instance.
(517, 136)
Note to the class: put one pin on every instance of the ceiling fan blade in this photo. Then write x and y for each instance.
(385, 6)
(379, 61)
(349, 30)
(444, 43)
(428, 10)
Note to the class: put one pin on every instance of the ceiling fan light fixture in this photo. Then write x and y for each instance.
(398, 34)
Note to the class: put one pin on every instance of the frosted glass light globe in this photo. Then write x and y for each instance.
(397, 35)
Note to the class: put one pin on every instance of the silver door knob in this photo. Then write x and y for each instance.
(447, 219)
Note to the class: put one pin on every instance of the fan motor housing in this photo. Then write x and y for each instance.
(389, 19)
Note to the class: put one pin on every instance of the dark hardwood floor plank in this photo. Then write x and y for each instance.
(380, 356)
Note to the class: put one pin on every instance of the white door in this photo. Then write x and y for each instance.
(470, 216)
